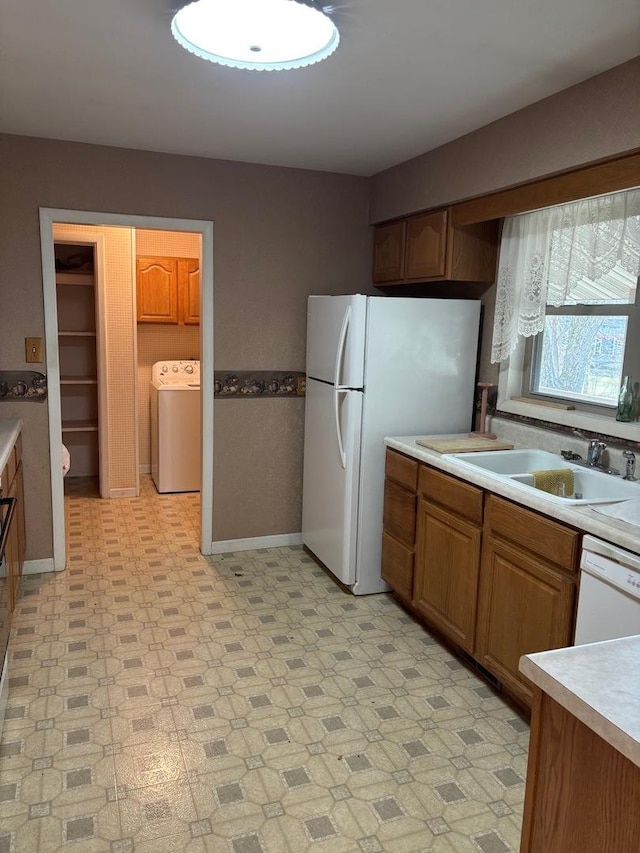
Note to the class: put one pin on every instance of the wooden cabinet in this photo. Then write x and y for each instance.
(399, 522)
(496, 579)
(388, 251)
(427, 247)
(189, 291)
(426, 244)
(527, 590)
(448, 555)
(168, 290)
(581, 794)
(12, 486)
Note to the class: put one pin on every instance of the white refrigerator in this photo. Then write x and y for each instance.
(376, 366)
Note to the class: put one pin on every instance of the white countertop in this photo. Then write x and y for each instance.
(581, 517)
(599, 684)
(9, 431)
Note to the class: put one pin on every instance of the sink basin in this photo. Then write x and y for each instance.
(515, 467)
(511, 461)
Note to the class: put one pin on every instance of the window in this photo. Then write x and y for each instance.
(567, 327)
(586, 347)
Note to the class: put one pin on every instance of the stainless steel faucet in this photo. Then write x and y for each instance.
(595, 451)
(630, 469)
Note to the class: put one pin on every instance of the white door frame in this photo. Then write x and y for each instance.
(80, 217)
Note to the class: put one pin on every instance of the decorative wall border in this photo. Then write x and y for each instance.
(245, 384)
(23, 385)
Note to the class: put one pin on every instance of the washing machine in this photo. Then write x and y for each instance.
(175, 426)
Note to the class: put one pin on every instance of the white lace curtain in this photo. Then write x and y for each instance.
(546, 257)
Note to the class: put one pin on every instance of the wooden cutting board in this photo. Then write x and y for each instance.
(463, 444)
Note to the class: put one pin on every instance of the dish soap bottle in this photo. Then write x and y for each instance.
(624, 412)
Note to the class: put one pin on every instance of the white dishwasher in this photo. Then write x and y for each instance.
(609, 597)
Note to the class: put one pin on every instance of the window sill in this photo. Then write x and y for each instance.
(572, 418)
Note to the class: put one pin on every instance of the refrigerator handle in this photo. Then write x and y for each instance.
(336, 403)
(342, 340)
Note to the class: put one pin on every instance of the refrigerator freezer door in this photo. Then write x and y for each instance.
(335, 339)
(330, 486)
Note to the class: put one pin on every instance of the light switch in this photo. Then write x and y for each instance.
(33, 350)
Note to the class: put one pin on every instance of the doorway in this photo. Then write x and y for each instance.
(61, 217)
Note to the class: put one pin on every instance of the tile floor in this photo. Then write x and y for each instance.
(164, 701)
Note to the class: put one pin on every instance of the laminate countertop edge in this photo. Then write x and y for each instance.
(10, 429)
(580, 517)
(599, 684)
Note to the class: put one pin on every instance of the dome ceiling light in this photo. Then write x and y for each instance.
(260, 35)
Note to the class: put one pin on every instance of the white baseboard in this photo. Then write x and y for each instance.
(224, 546)
(123, 493)
(35, 567)
(145, 468)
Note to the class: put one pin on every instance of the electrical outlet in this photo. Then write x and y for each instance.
(33, 350)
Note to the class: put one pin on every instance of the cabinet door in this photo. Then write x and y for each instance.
(446, 573)
(13, 551)
(189, 289)
(399, 513)
(388, 252)
(157, 290)
(397, 566)
(426, 246)
(20, 517)
(523, 607)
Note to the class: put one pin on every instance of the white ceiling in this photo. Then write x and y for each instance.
(409, 75)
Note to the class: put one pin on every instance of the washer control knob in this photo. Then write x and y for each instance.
(174, 369)
(164, 368)
(188, 368)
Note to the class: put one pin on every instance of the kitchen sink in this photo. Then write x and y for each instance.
(515, 466)
(510, 462)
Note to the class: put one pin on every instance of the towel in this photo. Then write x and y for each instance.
(66, 461)
(552, 481)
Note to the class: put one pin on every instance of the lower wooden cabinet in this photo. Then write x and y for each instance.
(524, 606)
(446, 574)
(399, 522)
(12, 486)
(496, 579)
(582, 794)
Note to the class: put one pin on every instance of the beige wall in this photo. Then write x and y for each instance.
(157, 342)
(279, 235)
(595, 120)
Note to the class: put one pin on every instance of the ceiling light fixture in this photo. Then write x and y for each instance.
(260, 35)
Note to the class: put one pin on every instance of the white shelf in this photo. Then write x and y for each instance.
(84, 279)
(78, 380)
(79, 426)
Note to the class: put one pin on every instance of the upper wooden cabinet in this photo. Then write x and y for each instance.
(189, 291)
(168, 290)
(388, 251)
(427, 247)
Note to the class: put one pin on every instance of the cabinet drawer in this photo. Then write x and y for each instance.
(439, 488)
(554, 542)
(401, 469)
(399, 515)
(397, 566)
